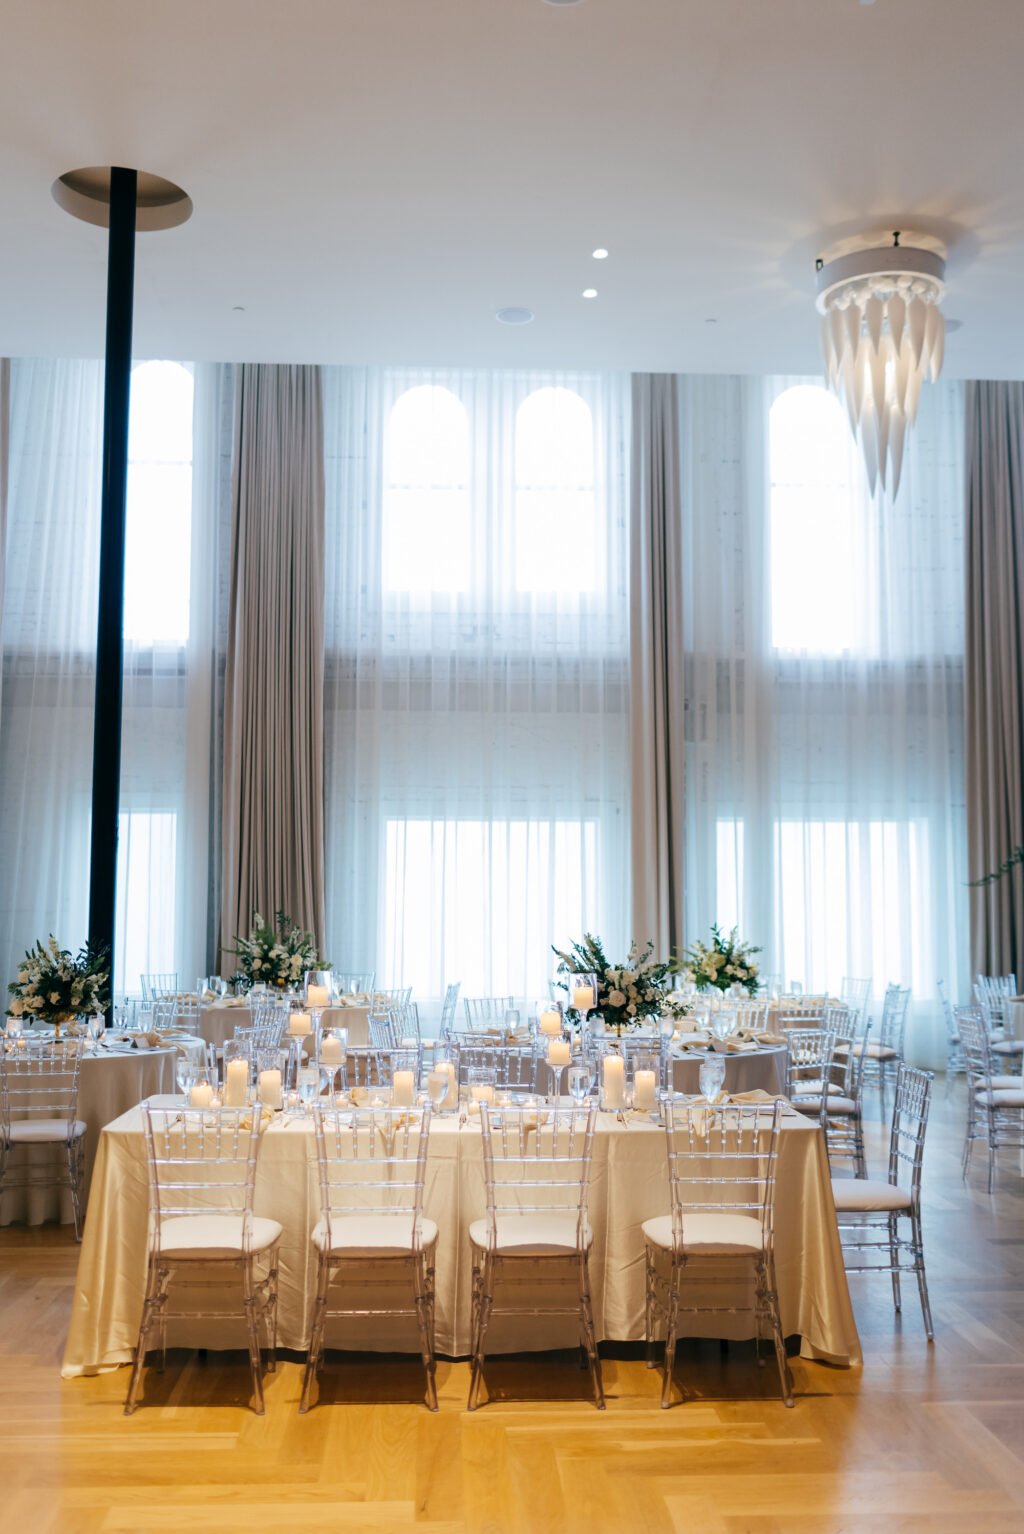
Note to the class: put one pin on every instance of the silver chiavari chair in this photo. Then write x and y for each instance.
(995, 1103)
(39, 1108)
(869, 1212)
(537, 1178)
(202, 1178)
(372, 1164)
(721, 1165)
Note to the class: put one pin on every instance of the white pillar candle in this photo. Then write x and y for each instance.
(583, 998)
(300, 1024)
(316, 996)
(482, 1092)
(450, 1101)
(201, 1095)
(331, 1052)
(403, 1088)
(644, 1098)
(236, 1084)
(550, 1022)
(559, 1052)
(613, 1078)
(270, 1088)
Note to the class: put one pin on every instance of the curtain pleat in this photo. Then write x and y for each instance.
(273, 817)
(656, 664)
(994, 671)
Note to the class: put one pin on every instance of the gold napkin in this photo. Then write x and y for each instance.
(741, 1045)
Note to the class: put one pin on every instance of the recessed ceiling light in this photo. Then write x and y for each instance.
(589, 292)
(238, 309)
(599, 254)
(514, 316)
(711, 322)
(563, 2)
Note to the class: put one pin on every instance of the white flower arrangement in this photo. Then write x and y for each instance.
(722, 963)
(55, 985)
(626, 993)
(277, 955)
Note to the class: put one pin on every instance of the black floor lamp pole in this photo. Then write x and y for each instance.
(106, 749)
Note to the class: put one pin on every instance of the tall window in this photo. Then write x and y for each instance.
(557, 537)
(427, 532)
(158, 541)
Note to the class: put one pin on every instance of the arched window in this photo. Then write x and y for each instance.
(821, 593)
(426, 536)
(158, 538)
(555, 524)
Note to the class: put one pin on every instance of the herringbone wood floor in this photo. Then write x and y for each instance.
(919, 1439)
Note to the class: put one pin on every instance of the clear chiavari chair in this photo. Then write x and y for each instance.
(385, 998)
(371, 1164)
(202, 1178)
(370, 1067)
(956, 1065)
(486, 1011)
(39, 1108)
(856, 994)
(644, 1054)
(537, 1178)
(156, 986)
(991, 997)
(800, 1012)
(809, 1057)
(885, 1054)
(355, 982)
(381, 1030)
(752, 1016)
(407, 1020)
(840, 1107)
(721, 1166)
(514, 1065)
(449, 1007)
(995, 1103)
(869, 1212)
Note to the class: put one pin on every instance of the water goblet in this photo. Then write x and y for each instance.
(307, 1085)
(581, 1080)
(186, 1075)
(712, 1076)
(97, 1027)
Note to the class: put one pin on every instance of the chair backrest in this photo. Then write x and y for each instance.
(721, 1160)
(449, 1005)
(384, 998)
(995, 988)
(947, 1010)
(201, 1163)
(752, 1016)
(265, 1031)
(537, 1162)
(381, 1030)
(372, 1162)
(894, 1017)
(40, 1082)
(514, 1065)
(175, 1012)
(370, 1067)
(909, 1123)
(800, 1012)
(855, 993)
(970, 1025)
(848, 1058)
(481, 1010)
(809, 1058)
(154, 986)
(643, 1055)
(406, 1016)
(355, 982)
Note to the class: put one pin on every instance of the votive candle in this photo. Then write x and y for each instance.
(550, 1022)
(201, 1095)
(300, 1024)
(236, 1084)
(583, 998)
(559, 1052)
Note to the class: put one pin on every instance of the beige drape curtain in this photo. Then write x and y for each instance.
(273, 808)
(656, 664)
(994, 670)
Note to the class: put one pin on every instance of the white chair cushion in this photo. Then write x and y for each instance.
(1009, 1099)
(44, 1131)
(1004, 1084)
(841, 1106)
(209, 1236)
(373, 1235)
(864, 1193)
(1008, 1047)
(530, 1235)
(713, 1234)
(813, 1089)
(876, 1051)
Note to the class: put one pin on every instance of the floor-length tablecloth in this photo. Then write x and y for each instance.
(109, 1084)
(629, 1184)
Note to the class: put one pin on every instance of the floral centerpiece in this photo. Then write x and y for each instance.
(55, 985)
(626, 993)
(278, 954)
(723, 962)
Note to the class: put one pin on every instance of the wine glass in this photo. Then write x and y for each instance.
(712, 1076)
(186, 1075)
(97, 1026)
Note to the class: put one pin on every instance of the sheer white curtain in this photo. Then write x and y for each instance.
(824, 640)
(177, 516)
(476, 715)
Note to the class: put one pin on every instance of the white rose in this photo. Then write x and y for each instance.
(616, 999)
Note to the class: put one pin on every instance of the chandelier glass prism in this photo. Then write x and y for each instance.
(882, 331)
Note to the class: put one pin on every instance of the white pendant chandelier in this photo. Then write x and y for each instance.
(881, 331)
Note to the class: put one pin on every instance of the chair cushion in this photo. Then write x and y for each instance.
(203, 1236)
(877, 1051)
(812, 1088)
(1004, 1084)
(715, 1233)
(530, 1235)
(865, 1193)
(1008, 1047)
(844, 1106)
(373, 1235)
(1007, 1099)
(44, 1131)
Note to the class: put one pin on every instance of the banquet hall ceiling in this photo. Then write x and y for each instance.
(373, 179)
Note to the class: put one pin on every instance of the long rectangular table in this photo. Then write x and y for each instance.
(629, 1185)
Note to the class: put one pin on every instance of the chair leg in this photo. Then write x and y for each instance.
(587, 1331)
(149, 1304)
(316, 1337)
(649, 1305)
(424, 1319)
(772, 1304)
(485, 1301)
(252, 1326)
(671, 1322)
(922, 1282)
(860, 1157)
(74, 1154)
(894, 1262)
(271, 1313)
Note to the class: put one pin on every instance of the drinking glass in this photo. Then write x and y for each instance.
(13, 1028)
(186, 1074)
(581, 1080)
(712, 1076)
(511, 1020)
(202, 986)
(437, 1086)
(97, 1027)
(481, 1082)
(307, 1084)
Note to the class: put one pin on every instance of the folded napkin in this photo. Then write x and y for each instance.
(230, 1001)
(740, 1045)
(771, 1038)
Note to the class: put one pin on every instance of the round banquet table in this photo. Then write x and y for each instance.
(217, 1023)
(109, 1084)
(629, 1184)
(745, 1070)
